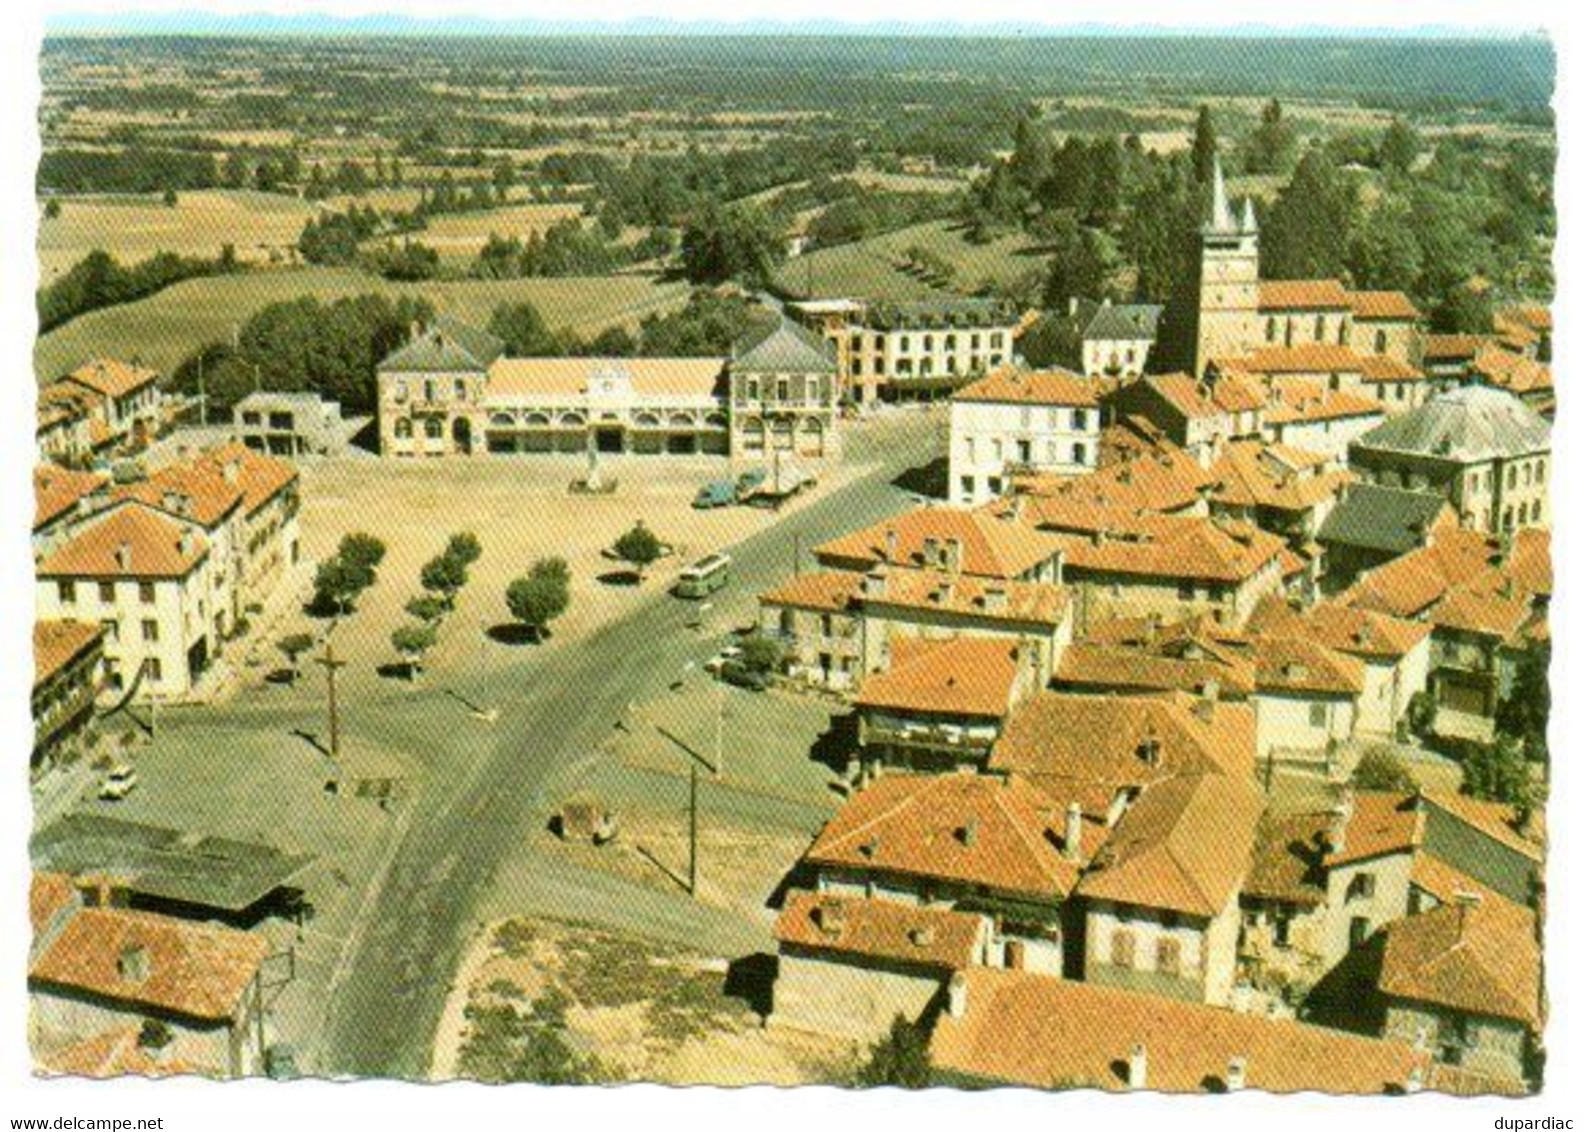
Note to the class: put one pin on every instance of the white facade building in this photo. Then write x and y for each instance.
(1016, 421)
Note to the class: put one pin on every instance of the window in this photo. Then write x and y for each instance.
(150, 629)
(1080, 454)
(111, 628)
(1319, 328)
(1185, 591)
(997, 340)
(1168, 955)
(107, 592)
(461, 389)
(783, 389)
(1282, 922)
(929, 342)
(154, 671)
(1358, 930)
(68, 592)
(1380, 341)
(433, 428)
(1270, 330)
(1080, 419)
(903, 345)
(1122, 948)
(403, 429)
(429, 389)
(1361, 887)
(1319, 715)
(967, 485)
(146, 593)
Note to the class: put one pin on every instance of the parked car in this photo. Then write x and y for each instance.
(715, 663)
(751, 481)
(716, 493)
(120, 782)
(739, 675)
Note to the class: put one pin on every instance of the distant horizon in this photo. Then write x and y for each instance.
(218, 25)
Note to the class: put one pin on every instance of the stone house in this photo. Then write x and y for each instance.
(68, 664)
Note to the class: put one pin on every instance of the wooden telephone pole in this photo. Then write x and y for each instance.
(330, 663)
(693, 829)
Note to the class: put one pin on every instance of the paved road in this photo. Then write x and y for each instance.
(557, 707)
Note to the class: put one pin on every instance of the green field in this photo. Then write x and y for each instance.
(165, 328)
(263, 227)
(876, 268)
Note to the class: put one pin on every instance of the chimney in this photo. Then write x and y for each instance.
(1466, 903)
(891, 544)
(828, 918)
(1072, 832)
(995, 599)
(232, 470)
(921, 936)
(184, 543)
(932, 551)
(123, 556)
(957, 995)
(1148, 749)
(969, 833)
(1118, 807)
(1138, 1067)
(1204, 707)
(1236, 1074)
(133, 963)
(1341, 814)
(874, 583)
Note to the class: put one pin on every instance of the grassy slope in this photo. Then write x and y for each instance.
(873, 268)
(165, 328)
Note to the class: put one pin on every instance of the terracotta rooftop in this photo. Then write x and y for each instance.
(114, 1053)
(260, 476)
(1157, 483)
(835, 591)
(1184, 846)
(57, 490)
(1307, 357)
(1032, 1030)
(1453, 347)
(197, 970)
(189, 491)
(572, 377)
(1014, 385)
(1347, 629)
(1300, 664)
(1003, 834)
(1178, 547)
(936, 938)
(129, 541)
(1472, 957)
(1116, 742)
(989, 547)
(1092, 665)
(112, 378)
(1456, 560)
(962, 676)
(57, 643)
(823, 591)
(1250, 474)
(1515, 373)
(1287, 860)
(1391, 306)
(1303, 294)
(1196, 399)
(1294, 404)
(49, 894)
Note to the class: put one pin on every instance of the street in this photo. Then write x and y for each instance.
(390, 986)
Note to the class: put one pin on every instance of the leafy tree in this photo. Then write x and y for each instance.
(638, 547)
(900, 1059)
(1499, 772)
(523, 329)
(1053, 340)
(1526, 709)
(1399, 146)
(293, 645)
(1384, 254)
(1463, 310)
(537, 598)
(1080, 263)
(52, 209)
(412, 642)
(338, 581)
(426, 608)
(362, 548)
(1204, 146)
(1306, 232)
(740, 243)
(761, 653)
(445, 576)
(1381, 769)
(1271, 145)
(464, 546)
(169, 198)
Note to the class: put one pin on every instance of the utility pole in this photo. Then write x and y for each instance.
(330, 663)
(693, 829)
(203, 399)
(797, 554)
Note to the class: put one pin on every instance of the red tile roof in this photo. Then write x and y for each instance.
(1195, 399)
(1002, 834)
(1178, 547)
(112, 378)
(57, 643)
(1014, 385)
(1115, 742)
(936, 938)
(1041, 1032)
(1480, 958)
(1391, 306)
(990, 547)
(1302, 294)
(1184, 846)
(57, 490)
(197, 970)
(962, 676)
(130, 541)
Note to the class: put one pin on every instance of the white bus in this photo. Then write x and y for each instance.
(704, 577)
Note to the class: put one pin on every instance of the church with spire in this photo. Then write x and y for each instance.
(1228, 320)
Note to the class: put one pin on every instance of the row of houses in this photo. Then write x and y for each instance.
(100, 408)
(151, 577)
